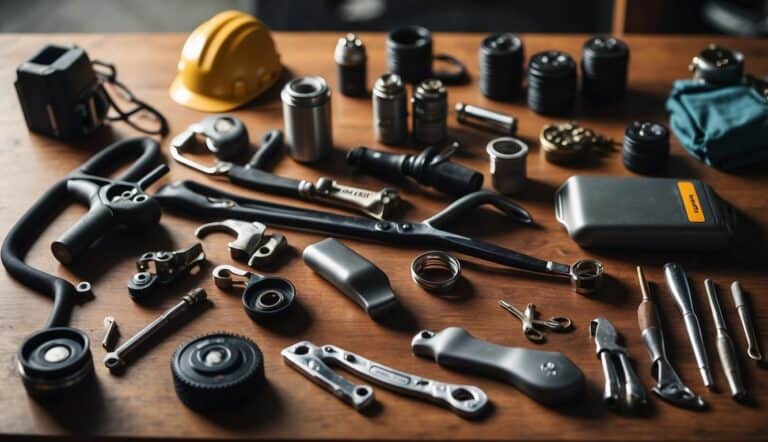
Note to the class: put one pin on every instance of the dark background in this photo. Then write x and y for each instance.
(584, 16)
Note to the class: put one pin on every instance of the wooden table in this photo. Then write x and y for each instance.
(142, 403)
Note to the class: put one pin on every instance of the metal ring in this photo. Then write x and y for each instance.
(586, 276)
(435, 260)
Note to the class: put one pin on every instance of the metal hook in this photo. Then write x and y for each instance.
(227, 276)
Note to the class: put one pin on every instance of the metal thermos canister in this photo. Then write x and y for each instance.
(307, 118)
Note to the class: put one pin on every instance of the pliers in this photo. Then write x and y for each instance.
(633, 396)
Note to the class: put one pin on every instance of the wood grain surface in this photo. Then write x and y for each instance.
(142, 402)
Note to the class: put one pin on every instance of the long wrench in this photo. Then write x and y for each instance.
(310, 360)
(677, 281)
(725, 348)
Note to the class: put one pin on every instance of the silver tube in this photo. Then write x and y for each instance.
(390, 110)
(307, 118)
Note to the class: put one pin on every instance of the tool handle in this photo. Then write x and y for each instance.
(647, 316)
(742, 308)
(548, 377)
(270, 148)
(93, 225)
(612, 390)
(677, 281)
(264, 181)
(729, 361)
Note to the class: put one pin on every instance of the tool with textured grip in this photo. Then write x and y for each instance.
(466, 400)
(677, 281)
(724, 343)
(753, 348)
(548, 377)
(669, 386)
(354, 275)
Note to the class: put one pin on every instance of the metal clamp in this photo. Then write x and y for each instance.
(310, 360)
(168, 267)
(633, 396)
(263, 296)
(250, 244)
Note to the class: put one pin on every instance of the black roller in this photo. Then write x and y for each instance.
(552, 83)
(646, 147)
(54, 361)
(217, 370)
(409, 53)
(501, 66)
(604, 64)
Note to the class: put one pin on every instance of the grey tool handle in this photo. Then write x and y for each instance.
(548, 377)
(612, 388)
(466, 400)
(677, 281)
(753, 348)
(354, 275)
(307, 358)
(634, 393)
(725, 349)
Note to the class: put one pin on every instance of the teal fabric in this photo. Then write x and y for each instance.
(723, 126)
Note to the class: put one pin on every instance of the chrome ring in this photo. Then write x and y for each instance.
(435, 260)
(586, 276)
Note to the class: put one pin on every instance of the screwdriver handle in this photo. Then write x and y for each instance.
(647, 317)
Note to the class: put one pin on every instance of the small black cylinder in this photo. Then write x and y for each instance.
(552, 83)
(501, 66)
(351, 60)
(646, 147)
(604, 63)
(409, 53)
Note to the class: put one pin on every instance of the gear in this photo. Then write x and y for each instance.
(217, 370)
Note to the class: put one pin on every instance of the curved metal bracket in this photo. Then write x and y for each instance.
(476, 199)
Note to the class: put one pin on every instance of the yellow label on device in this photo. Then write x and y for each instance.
(691, 202)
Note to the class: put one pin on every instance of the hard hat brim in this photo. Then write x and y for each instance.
(185, 97)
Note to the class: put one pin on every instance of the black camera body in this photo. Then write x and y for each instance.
(60, 93)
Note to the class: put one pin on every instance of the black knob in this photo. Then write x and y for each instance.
(54, 361)
(217, 370)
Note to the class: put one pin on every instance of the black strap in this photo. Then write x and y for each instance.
(108, 74)
(451, 77)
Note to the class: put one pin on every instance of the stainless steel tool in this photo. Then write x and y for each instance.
(669, 386)
(753, 348)
(632, 397)
(251, 245)
(677, 281)
(530, 323)
(110, 333)
(119, 358)
(486, 118)
(546, 376)
(725, 349)
(310, 360)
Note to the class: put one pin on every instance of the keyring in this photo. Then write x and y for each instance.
(424, 267)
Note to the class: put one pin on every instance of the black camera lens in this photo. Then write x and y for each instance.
(501, 66)
(552, 83)
(409, 53)
(54, 361)
(646, 147)
(604, 63)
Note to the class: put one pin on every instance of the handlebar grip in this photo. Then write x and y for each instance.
(92, 226)
(264, 181)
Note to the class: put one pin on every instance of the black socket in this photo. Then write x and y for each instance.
(55, 361)
(604, 64)
(352, 80)
(552, 83)
(501, 66)
(646, 147)
(409, 53)
(217, 370)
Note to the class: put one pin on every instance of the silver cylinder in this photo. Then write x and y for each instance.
(486, 118)
(508, 169)
(307, 118)
(430, 112)
(390, 110)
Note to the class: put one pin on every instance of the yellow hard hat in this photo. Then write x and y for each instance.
(226, 62)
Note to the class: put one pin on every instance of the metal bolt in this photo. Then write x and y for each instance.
(118, 359)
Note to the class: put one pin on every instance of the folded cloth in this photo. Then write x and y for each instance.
(724, 126)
